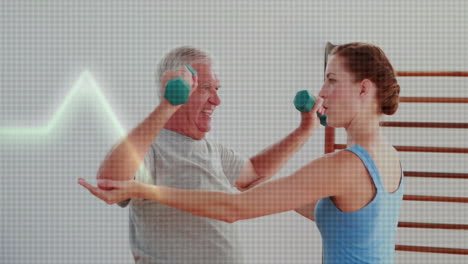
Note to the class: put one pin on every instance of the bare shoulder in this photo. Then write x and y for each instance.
(344, 161)
(388, 163)
(343, 169)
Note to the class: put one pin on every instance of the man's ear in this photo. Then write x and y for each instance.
(366, 88)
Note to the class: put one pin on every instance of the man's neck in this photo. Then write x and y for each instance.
(184, 130)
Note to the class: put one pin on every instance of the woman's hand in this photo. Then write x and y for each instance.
(309, 120)
(111, 191)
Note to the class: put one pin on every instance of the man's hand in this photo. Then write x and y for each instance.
(112, 192)
(183, 72)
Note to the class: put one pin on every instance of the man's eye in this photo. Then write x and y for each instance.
(332, 80)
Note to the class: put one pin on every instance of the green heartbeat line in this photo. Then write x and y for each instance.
(85, 81)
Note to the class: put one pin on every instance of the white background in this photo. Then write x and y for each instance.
(265, 51)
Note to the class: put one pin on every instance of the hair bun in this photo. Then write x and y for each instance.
(391, 99)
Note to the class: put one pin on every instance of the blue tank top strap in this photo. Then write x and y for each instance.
(370, 165)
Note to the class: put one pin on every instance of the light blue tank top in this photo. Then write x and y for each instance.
(366, 235)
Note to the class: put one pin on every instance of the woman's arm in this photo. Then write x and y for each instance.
(320, 178)
(307, 211)
(268, 162)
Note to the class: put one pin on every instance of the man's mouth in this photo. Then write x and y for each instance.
(207, 112)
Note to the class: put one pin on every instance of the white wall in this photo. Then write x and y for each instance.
(265, 52)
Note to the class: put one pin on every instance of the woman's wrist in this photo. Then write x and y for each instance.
(139, 190)
(305, 130)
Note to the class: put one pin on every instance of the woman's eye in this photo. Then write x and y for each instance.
(331, 80)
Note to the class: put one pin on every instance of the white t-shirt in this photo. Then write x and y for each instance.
(164, 234)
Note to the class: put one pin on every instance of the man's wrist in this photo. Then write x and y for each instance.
(166, 105)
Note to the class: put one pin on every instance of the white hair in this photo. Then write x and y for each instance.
(179, 57)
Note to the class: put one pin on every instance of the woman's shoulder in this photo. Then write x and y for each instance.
(344, 161)
(347, 160)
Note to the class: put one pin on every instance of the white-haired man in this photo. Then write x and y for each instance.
(171, 145)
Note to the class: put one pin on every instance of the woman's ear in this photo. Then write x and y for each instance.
(366, 88)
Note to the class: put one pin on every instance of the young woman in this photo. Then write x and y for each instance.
(356, 192)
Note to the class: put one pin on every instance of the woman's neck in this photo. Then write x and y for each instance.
(364, 132)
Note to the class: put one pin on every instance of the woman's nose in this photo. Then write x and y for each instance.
(322, 92)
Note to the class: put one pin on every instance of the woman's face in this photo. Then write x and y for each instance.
(340, 93)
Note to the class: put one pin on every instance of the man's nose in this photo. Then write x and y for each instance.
(214, 99)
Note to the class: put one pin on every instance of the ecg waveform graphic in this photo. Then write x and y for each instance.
(85, 83)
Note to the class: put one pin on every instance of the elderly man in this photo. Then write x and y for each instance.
(171, 145)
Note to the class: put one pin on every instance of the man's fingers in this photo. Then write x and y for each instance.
(195, 82)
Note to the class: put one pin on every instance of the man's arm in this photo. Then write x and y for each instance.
(267, 163)
(125, 159)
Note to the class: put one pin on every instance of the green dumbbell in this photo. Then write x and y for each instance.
(178, 90)
(304, 103)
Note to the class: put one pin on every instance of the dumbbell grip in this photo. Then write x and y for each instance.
(177, 90)
(304, 103)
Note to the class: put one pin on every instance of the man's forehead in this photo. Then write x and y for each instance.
(206, 71)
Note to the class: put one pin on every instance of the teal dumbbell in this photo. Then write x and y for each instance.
(177, 90)
(304, 103)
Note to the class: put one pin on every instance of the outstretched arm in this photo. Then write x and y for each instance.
(307, 211)
(323, 177)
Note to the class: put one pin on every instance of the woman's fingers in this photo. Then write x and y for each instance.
(103, 195)
(89, 187)
(108, 184)
(318, 105)
(109, 191)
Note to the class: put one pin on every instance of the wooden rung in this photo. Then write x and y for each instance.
(453, 100)
(432, 74)
(457, 251)
(419, 149)
(443, 175)
(433, 226)
(423, 124)
(431, 149)
(435, 199)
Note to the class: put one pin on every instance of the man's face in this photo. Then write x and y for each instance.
(202, 102)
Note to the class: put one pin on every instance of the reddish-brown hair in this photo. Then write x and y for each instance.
(367, 61)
